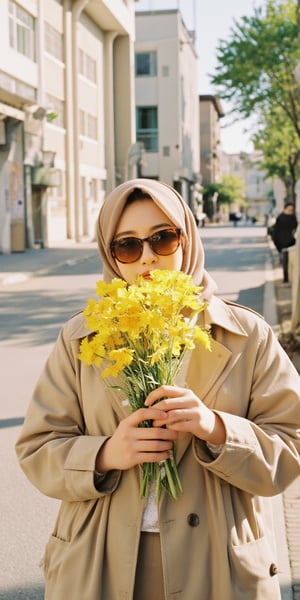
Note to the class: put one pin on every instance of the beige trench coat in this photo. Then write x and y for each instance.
(217, 537)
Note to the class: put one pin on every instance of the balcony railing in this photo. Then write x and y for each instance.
(149, 139)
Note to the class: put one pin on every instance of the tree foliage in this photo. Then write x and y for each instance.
(256, 72)
(280, 146)
(255, 67)
(230, 189)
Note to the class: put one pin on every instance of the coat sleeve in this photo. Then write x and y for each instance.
(261, 452)
(53, 449)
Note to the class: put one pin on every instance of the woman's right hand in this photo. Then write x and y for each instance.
(131, 445)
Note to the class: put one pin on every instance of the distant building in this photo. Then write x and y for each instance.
(167, 116)
(211, 112)
(67, 120)
(259, 189)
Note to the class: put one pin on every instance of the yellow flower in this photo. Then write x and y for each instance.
(122, 358)
(202, 336)
(87, 353)
(143, 331)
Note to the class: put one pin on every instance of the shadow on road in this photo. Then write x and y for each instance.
(252, 297)
(24, 593)
(51, 258)
(14, 422)
(34, 318)
(226, 253)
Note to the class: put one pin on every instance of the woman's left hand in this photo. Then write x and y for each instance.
(186, 412)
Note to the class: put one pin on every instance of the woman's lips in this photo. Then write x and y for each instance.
(146, 275)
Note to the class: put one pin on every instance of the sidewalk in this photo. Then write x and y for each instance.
(18, 267)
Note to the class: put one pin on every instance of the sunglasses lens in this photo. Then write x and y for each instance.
(127, 250)
(165, 242)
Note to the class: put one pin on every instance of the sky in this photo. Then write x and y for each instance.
(212, 20)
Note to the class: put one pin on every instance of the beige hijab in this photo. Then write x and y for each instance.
(173, 205)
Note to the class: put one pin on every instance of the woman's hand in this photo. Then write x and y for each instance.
(186, 412)
(131, 445)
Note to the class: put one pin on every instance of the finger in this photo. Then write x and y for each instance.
(153, 446)
(149, 457)
(176, 415)
(164, 391)
(176, 425)
(170, 404)
(146, 414)
(154, 433)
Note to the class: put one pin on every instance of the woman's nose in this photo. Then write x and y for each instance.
(148, 256)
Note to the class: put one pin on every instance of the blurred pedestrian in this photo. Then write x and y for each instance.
(284, 235)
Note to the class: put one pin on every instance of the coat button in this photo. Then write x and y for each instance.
(273, 570)
(193, 520)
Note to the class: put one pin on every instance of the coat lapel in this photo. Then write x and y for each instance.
(204, 370)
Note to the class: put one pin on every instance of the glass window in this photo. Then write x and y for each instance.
(21, 30)
(90, 68)
(91, 127)
(147, 128)
(81, 61)
(87, 66)
(145, 64)
(54, 42)
(57, 117)
(81, 122)
(88, 125)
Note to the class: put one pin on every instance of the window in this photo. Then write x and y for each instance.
(58, 105)
(147, 130)
(88, 125)
(54, 42)
(90, 65)
(87, 66)
(145, 64)
(81, 122)
(91, 127)
(21, 30)
(14, 86)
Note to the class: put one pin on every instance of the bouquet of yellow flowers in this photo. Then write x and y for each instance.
(144, 331)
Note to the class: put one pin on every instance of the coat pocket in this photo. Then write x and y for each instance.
(74, 517)
(253, 571)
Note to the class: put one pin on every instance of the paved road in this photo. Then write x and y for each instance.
(31, 313)
(236, 257)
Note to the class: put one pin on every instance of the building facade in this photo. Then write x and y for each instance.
(67, 117)
(166, 95)
(261, 192)
(210, 138)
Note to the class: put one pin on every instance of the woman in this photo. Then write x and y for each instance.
(235, 424)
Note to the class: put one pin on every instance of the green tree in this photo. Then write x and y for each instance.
(280, 147)
(255, 67)
(230, 189)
